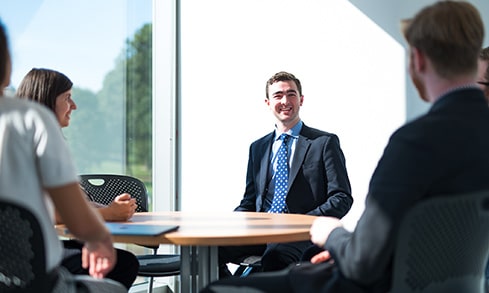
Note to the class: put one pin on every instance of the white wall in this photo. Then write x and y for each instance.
(387, 14)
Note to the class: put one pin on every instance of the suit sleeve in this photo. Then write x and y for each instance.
(248, 202)
(338, 192)
(401, 178)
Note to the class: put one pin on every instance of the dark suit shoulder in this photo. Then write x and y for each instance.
(262, 141)
(306, 131)
(464, 112)
(313, 133)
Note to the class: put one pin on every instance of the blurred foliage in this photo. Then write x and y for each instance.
(139, 100)
(111, 131)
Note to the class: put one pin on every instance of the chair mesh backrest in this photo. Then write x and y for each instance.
(22, 255)
(103, 188)
(443, 244)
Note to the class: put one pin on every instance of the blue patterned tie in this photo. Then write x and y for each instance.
(281, 177)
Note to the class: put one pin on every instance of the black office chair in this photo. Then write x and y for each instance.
(103, 188)
(443, 245)
(23, 259)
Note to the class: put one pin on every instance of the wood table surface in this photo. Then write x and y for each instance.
(222, 228)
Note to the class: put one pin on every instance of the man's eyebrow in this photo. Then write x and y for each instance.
(277, 93)
(288, 92)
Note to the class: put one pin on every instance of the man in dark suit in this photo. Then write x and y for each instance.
(443, 152)
(317, 181)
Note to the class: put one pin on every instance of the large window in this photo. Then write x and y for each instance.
(105, 48)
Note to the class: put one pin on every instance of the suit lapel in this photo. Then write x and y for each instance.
(301, 148)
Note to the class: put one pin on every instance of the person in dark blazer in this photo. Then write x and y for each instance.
(317, 182)
(441, 153)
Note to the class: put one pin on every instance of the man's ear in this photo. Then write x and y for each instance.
(418, 59)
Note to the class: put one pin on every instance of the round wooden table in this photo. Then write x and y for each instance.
(200, 234)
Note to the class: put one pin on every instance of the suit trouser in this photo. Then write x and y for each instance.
(304, 277)
(275, 256)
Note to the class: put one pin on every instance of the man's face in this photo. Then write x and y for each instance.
(284, 102)
(481, 77)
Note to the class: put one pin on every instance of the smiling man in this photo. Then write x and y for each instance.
(294, 169)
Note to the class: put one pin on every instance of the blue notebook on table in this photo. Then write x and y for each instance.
(139, 229)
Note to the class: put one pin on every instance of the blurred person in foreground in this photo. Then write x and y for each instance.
(37, 172)
(443, 152)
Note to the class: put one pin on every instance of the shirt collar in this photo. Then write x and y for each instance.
(294, 131)
(454, 89)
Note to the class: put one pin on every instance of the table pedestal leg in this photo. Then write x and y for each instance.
(185, 269)
(208, 267)
(199, 267)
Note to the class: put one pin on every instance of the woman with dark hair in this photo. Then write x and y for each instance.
(50, 88)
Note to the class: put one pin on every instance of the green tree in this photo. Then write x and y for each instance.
(139, 101)
(112, 130)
